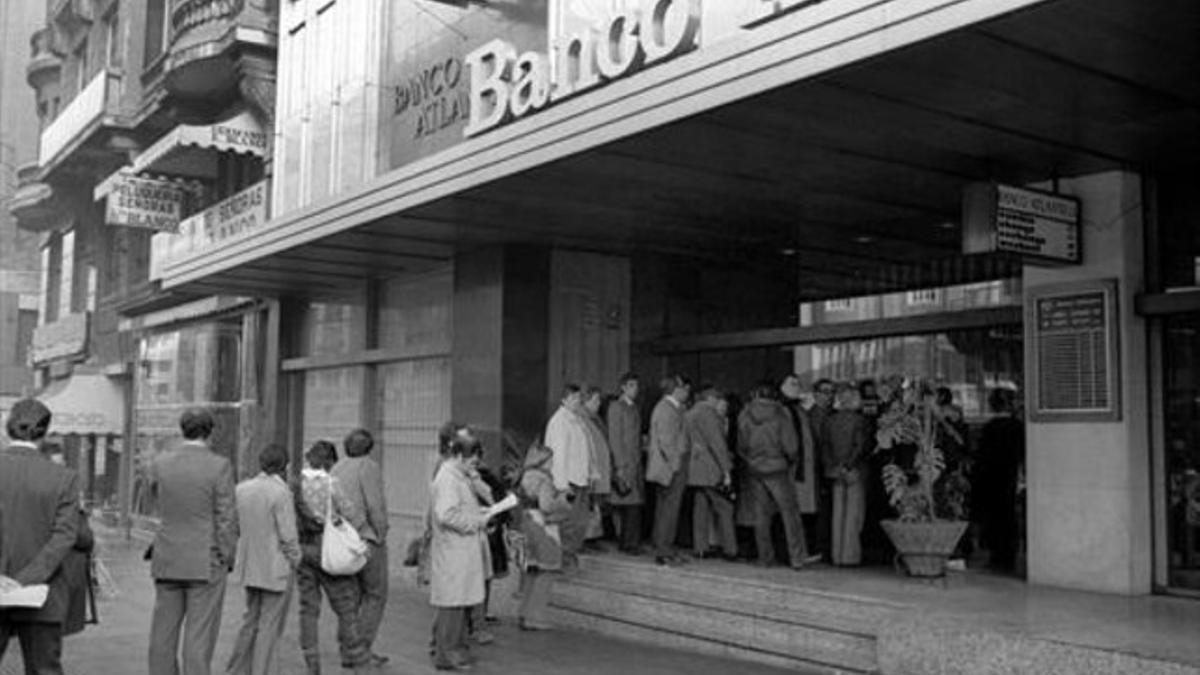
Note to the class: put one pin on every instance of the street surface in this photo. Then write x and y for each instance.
(117, 646)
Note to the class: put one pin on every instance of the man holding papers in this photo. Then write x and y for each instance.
(39, 516)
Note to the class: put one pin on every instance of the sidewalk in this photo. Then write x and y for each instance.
(117, 646)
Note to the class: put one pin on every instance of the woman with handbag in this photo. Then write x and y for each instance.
(544, 508)
(319, 498)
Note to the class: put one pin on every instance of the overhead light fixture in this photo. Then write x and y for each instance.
(864, 239)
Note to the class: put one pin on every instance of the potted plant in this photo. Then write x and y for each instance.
(930, 503)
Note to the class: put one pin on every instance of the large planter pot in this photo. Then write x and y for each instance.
(924, 547)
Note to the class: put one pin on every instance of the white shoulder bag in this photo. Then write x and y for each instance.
(343, 551)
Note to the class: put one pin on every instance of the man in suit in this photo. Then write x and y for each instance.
(39, 517)
(666, 465)
(709, 471)
(193, 550)
(267, 554)
(625, 440)
(362, 482)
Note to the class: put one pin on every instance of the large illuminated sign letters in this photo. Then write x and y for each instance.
(506, 87)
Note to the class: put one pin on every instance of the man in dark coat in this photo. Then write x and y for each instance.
(39, 517)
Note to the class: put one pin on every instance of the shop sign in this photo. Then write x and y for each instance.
(426, 100)
(1041, 227)
(240, 134)
(506, 86)
(144, 203)
(1073, 352)
(63, 338)
(243, 212)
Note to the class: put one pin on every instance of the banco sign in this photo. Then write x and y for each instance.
(506, 86)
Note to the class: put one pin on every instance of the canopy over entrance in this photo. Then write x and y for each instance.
(842, 149)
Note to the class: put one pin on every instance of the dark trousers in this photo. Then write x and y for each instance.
(574, 529)
(372, 593)
(450, 636)
(41, 645)
(195, 608)
(629, 522)
(778, 488)
(708, 506)
(343, 598)
(668, 500)
(824, 535)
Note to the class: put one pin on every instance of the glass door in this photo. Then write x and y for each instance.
(1181, 424)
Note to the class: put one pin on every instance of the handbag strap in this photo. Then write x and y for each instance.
(328, 498)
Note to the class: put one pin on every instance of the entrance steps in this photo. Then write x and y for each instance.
(830, 621)
(764, 621)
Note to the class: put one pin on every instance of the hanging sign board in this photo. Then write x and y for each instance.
(145, 203)
(1072, 349)
(1042, 227)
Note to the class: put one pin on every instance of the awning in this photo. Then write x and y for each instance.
(85, 404)
(187, 149)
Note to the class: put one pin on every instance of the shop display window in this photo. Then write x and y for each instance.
(414, 400)
(416, 312)
(334, 325)
(333, 403)
(1181, 399)
(196, 365)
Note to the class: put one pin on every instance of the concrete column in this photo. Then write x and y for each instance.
(1089, 497)
(499, 367)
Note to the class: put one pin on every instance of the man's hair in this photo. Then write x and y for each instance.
(322, 455)
(626, 378)
(764, 389)
(196, 424)
(821, 383)
(358, 443)
(709, 392)
(783, 380)
(570, 388)
(29, 420)
(944, 396)
(592, 390)
(446, 433)
(464, 447)
(672, 382)
(273, 459)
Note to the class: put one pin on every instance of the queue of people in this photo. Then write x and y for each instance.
(591, 476)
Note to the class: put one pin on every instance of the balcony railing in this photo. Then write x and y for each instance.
(98, 98)
(187, 14)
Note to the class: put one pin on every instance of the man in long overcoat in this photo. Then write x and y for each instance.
(39, 517)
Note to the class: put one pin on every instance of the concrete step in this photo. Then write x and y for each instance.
(761, 621)
(728, 586)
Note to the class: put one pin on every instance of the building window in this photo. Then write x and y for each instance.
(839, 305)
(157, 31)
(83, 68)
(923, 297)
(67, 274)
(114, 51)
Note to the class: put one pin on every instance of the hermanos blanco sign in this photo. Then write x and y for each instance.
(506, 86)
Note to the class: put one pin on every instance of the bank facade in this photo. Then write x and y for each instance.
(472, 205)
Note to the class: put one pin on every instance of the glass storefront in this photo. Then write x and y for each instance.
(197, 365)
(402, 400)
(1181, 399)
